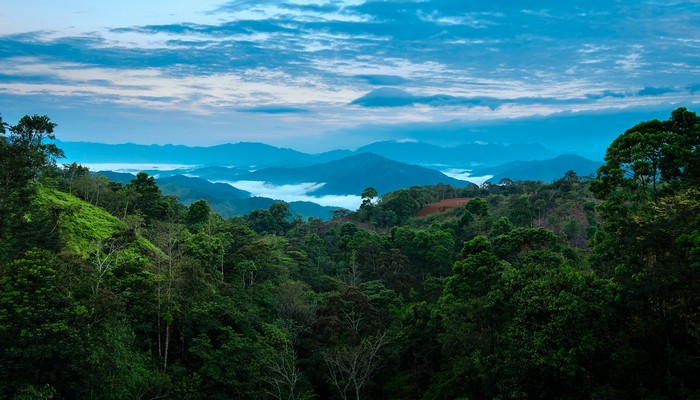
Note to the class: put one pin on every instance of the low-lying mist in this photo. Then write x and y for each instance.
(296, 192)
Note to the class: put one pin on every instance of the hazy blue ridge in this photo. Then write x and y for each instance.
(121, 177)
(238, 154)
(258, 155)
(541, 170)
(351, 175)
(460, 156)
(215, 190)
(223, 198)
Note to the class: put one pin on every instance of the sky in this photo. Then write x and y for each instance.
(315, 75)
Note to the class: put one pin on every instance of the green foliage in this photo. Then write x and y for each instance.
(197, 215)
(502, 298)
(23, 156)
(651, 158)
(81, 225)
(477, 207)
(41, 327)
(144, 196)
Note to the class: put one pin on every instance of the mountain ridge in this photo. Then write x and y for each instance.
(541, 170)
(352, 174)
(260, 155)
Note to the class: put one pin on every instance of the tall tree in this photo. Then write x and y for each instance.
(23, 155)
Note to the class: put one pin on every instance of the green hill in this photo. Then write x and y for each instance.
(351, 175)
(82, 225)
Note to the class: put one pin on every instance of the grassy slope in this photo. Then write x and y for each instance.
(82, 225)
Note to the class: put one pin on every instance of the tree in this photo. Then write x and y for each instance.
(649, 187)
(261, 221)
(402, 204)
(280, 212)
(350, 368)
(501, 227)
(168, 237)
(284, 375)
(369, 193)
(651, 157)
(146, 197)
(367, 207)
(42, 329)
(197, 215)
(72, 172)
(23, 156)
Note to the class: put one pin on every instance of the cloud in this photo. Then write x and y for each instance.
(383, 80)
(303, 12)
(392, 97)
(290, 66)
(298, 192)
(607, 93)
(655, 91)
(589, 131)
(274, 109)
(465, 175)
(164, 89)
(386, 97)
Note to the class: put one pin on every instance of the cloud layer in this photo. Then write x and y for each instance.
(289, 71)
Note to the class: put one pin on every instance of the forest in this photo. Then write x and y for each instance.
(581, 288)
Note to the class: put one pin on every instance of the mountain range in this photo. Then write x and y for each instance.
(540, 170)
(237, 178)
(351, 175)
(222, 198)
(258, 155)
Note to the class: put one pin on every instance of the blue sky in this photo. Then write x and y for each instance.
(321, 74)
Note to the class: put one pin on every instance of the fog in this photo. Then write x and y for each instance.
(296, 192)
(464, 175)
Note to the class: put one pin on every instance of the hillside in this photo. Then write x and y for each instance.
(540, 170)
(238, 154)
(259, 155)
(82, 225)
(351, 175)
(223, 198)
(460, 156)
(190, 189)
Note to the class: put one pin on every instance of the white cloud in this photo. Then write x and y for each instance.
(159, 89)
(464, 175)
(134, 168)
(474, 20)
(631, 62)
(298, 192)
(72, 17)
(258, 11)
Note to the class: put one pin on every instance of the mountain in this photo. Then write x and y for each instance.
(121, 177)
(218, 173)
(461, 156)
(257, 155)
(541, 170)
(223, 198)
(242, 154)
(409, 152)
(351, 175)
(190, 189)
(229, 201)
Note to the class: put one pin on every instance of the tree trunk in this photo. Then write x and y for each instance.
(167, 344)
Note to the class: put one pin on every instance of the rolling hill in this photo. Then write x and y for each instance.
(351, 175)
(239, 154)
(461, 156)
(540, 170)
(257, 155)
(223, 198)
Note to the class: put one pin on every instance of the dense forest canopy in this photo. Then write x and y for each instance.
(585, 287)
